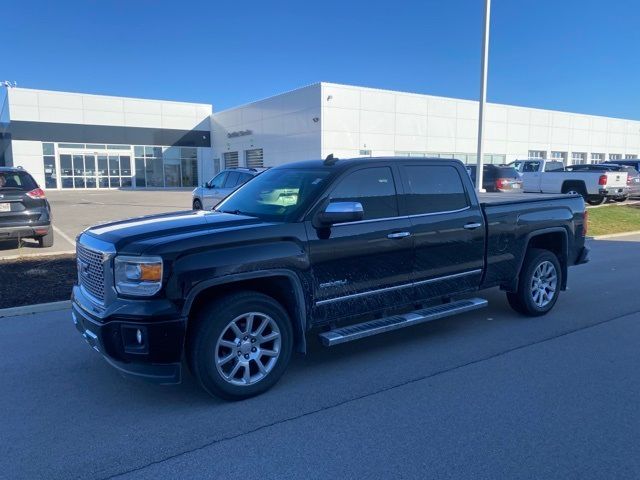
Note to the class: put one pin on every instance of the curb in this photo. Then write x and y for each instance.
(44, 254)
(615, 235)
(37, 308)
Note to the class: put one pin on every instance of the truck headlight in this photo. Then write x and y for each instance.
(139, 276)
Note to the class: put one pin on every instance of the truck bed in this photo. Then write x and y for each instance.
(514, 198)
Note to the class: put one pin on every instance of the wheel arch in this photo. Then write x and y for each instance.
(579, 184)
(556, 240)
(282, 285)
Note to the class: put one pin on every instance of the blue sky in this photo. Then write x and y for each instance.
(581, 56)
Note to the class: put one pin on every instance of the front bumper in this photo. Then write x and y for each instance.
(156, 359)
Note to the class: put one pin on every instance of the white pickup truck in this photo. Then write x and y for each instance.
(549, 176)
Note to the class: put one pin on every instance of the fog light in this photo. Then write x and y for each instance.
(139, 336)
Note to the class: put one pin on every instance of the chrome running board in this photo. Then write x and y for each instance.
(395, 322)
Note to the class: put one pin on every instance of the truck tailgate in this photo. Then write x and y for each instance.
(616, 179)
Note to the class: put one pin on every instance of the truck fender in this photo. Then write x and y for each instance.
(513, 286)
(299, 319)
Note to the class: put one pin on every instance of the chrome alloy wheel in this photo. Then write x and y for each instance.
(543, 284)
(248, 349)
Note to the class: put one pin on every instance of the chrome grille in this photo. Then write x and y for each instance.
(91, 271)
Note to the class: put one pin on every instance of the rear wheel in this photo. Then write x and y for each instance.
(573, 188)
(241, 345)
(46, 240)
(620, 200)
(197, 204)
(596, 200)
(538, 285)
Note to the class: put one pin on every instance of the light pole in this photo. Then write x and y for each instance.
(483, 92)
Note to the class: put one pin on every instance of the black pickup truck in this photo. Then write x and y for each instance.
(347, 248)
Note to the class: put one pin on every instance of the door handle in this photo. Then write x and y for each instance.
(398, 235)
(472, 226)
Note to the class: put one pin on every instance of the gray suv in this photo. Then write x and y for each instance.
(219, 187)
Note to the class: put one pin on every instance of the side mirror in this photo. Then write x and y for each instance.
(340, 212)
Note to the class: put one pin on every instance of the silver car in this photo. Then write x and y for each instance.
(221, 186)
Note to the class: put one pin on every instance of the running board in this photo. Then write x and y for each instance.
(395, 322)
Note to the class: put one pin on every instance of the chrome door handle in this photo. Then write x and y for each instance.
(398, 235)
(472, 226)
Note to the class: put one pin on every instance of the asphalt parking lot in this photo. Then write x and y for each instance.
(488, 394)
(73, 211)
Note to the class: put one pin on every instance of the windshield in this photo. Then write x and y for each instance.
(277, 195)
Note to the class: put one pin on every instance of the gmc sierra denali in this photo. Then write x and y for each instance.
(347, 248)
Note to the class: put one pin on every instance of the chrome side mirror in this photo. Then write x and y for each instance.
(341, 212)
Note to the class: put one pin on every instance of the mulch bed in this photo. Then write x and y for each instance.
(29, 280)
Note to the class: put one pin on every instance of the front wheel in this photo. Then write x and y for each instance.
(538, 285)
(197, 204)
(620, 200)
(240, 345)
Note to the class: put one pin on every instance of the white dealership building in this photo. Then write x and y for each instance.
(73, 140)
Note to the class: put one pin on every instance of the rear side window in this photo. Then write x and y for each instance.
(551, 166)
(244, 178)
(374, 188)
(433, 189)
(232, 180)
(218, 180)
(17, 181)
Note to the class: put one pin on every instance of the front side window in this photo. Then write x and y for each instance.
(218, 180)
(374, 188)
(531, 167)
(433, 189)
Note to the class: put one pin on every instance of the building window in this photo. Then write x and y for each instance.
(615, 156)
(578, 158)
(597, 157)
(254, 158)
(537, 154)
(365, 153)
(49, 163)
(631, 156)
(231, 160)
(560, 156)
(170, 167)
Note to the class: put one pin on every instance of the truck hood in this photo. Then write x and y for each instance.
(142, 229)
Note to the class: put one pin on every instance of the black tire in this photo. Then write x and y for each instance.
(46, 240)
(596, 200)
(211, 326)
(197, 204)
(522, 301)
(620, 200)
(574, 188)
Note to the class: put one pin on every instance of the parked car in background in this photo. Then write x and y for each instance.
(24, 209)
(497, 178)
(221, 186)
(629, 162)
(633, 176)
(536, 165)
(541, 176)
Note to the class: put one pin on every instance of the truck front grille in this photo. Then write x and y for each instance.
(91, 271)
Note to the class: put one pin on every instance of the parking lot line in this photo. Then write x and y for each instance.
(64, 235)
